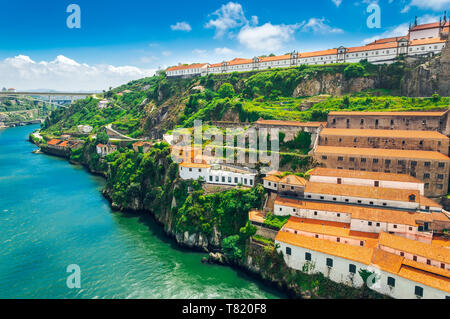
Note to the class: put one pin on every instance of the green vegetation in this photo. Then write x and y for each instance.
(264, 240)
(275, 222)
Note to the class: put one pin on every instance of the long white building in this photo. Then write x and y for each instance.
(422, 40)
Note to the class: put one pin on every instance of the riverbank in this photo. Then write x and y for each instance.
(53, 215)
(158, 192)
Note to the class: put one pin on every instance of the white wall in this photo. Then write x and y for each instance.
(404, 288)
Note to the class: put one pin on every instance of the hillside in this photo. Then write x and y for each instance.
(21, 109)
(150, 107)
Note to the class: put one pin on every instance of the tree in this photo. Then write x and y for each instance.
(354, 71)
(102, 137)
(226, 90)
(231, 248)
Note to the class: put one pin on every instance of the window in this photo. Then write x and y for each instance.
(375, 160)
(329, 262)
(440, 176)
(426, 175)
(428, 262)
(324, 157)
(402, 254)
(361, 243)
(307, 256)
(340, 159)
(427, 164)
(415, 258)
(377, 184)
(288, 251)
(236, 181)
(418, 291)
(370, 223)
(391, 282)
(378, 225)
(442, 266)
(363, 160)
(352, 269)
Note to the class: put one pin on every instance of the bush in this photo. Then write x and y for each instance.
(226, 90)
(354, 71)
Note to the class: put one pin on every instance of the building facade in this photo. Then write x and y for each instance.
(430, 167)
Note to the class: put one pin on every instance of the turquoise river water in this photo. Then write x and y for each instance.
(52, 215)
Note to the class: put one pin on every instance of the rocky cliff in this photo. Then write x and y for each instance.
(431, 77)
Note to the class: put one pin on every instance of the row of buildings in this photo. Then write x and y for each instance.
(410, 143)
(421, 40)
(342, 222)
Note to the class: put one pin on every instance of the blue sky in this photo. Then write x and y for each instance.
(152, 34)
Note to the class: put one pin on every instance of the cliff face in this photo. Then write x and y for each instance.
(431, 77)
(333, 84)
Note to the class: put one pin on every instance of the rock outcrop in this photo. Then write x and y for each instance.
(333, 84)
(431, 77)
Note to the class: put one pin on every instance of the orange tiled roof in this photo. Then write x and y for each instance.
(272, 178)
(428, 26)
(360, 212)
(377, 176)
(194, 165)
(387, 261)
(64, 144)
(383, 153)
(187, 67)
(336, 229)
(386, 40)
(380, 46)
(362, 191)
(432, 114)
(239, 61)
(384, 133)
(290, 123)
(425, 278)
(54, 142)
(318, 53)
(293, 180)
(426, 41)
(256, 216)
(356, 253)
(275, 58)
(425, 201)
(415, 247)
(425, 267)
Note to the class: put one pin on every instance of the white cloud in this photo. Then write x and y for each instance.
(401, 29)
(319, 26)
(181, 26)
(267, 37)
(337, 2)
(229, 16)
(166, 53)
(223, 51)
(23, 73)
(428, 4)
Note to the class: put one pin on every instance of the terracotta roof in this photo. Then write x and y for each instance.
(381, 46)
(187, 67)
(290, 123)
(433, 25)
(356, 253)
(335, 229)
(425, 201)
(360, 212)
(64, 144)
(387, 261)
(194, 165)
(318, 53)
(362, 191)
(425, 278)
(426, 41)
(384, 133)
(425, 267)
(441, 217)
(275, 58)
(386, 40)
(293, 180)
(415, 247)
(101, 145)
(256, 216)
(239, 61)
(432, 114)
(383, 153)
(138, 144)
(272, 178)
(54, 142)
(275, 173)
(322, 171)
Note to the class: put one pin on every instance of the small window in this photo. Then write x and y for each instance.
(307, 256)
(391, 282)
(288, 251)
(418, 291)
(415, 258)
(329, 262)
(352, 269)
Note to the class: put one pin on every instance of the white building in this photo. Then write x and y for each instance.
(104, 150)
(422, 40)
(103, 104)
(217, 174)
(395, 276)
(365, 178)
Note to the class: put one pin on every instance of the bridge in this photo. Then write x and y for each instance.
(50, 95)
